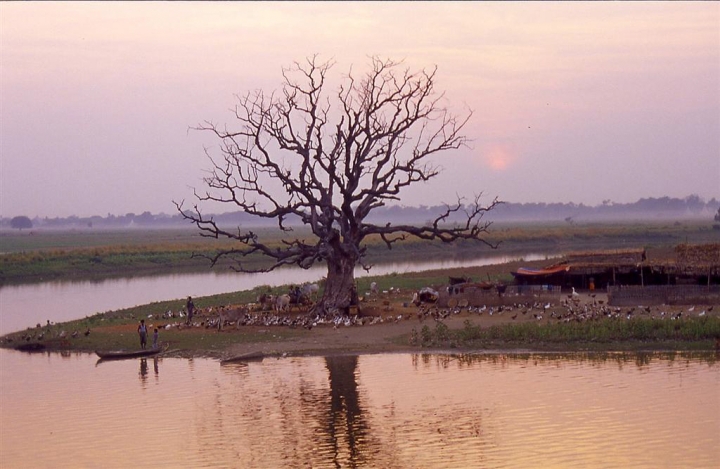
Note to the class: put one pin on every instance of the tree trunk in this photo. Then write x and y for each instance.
(340, 291)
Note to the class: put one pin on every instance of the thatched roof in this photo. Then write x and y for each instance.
(610, 258)
(697, 256)
(699, 259)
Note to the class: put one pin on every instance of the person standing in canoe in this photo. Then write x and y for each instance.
(190, 310)
(156, 336)
(142, 332)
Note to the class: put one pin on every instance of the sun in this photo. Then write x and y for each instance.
(499, 158)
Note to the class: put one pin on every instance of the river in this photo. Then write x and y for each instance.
(425, 410)
(26, 305)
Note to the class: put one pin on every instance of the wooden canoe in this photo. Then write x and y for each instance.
(123, 354)
(244, 358)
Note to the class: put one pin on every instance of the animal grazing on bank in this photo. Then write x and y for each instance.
(282, 303)
(425, 295)
(233, 314)
(310, 290)
(266, 301)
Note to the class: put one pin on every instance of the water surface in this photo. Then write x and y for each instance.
(385, 411)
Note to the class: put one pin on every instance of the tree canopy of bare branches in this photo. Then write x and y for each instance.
(326, 156)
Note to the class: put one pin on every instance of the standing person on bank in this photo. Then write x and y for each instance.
(142, 332)
(190, 310)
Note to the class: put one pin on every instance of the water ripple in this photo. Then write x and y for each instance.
(389, 411)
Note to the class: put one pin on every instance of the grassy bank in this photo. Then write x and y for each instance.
(605, 334)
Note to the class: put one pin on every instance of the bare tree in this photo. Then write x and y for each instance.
(327, 162)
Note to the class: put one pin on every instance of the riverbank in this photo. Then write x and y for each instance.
(389, 323)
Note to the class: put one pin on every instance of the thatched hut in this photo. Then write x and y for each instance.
(692, 264)
(698, 261)
(590, 269)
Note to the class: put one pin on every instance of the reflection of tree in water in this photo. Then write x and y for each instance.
(290, 413)
(344, 421)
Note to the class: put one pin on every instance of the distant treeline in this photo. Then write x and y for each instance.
(691, 207)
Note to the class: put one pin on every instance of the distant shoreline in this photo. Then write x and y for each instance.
(94, 255)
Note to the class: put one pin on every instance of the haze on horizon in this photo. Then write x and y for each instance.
(573, 102)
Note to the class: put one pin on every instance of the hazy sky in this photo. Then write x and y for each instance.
(572, 101)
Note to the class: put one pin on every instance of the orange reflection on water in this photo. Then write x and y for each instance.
(391, 411)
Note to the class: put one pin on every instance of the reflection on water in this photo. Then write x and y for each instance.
(347, 433)
(392, 411)
(26, 305)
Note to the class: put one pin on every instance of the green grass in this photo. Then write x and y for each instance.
(599, 334)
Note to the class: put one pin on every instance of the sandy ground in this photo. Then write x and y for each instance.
(377, 338)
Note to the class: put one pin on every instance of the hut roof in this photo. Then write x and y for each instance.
(610, 258)
(697, 256)
(698, 259)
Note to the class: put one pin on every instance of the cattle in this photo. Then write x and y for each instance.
(266, 301)
(298, 297)
(425, 295)
(282, 303)
(310, 290)
(232, 314)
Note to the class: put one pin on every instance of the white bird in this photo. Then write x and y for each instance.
(691, 309)
(574, 293)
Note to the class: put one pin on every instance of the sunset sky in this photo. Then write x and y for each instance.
(578, 102)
